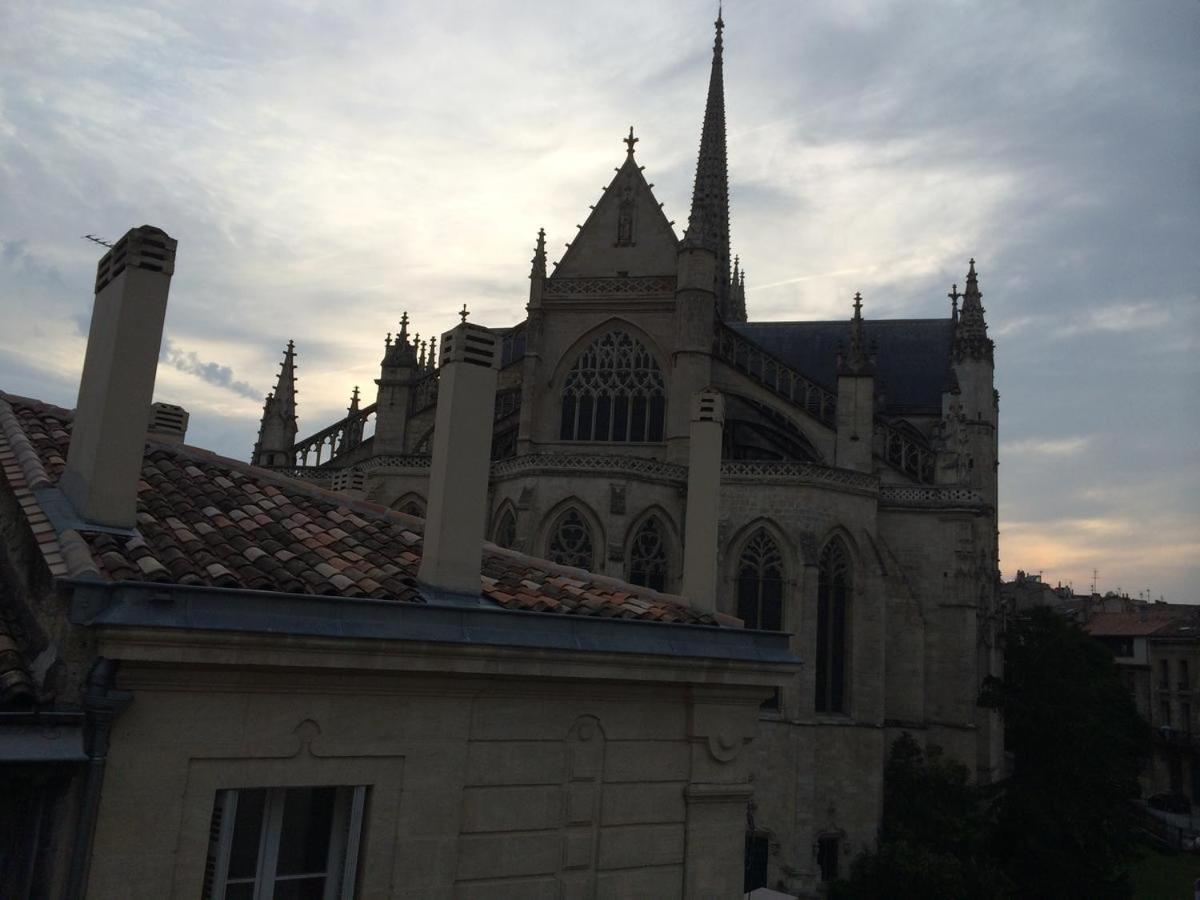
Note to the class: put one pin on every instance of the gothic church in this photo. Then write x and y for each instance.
(855, 505)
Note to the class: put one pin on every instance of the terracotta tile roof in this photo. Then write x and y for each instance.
(1131, 624)
(207, 520)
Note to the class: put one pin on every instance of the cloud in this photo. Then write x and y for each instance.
(325, 170)
(1068, 446)
(214, 373)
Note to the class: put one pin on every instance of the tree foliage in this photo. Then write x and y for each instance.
(1060, 825)
(932, 840)
(1065, 819)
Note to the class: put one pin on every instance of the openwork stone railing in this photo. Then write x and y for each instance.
(906, 454)
(588, 462)
(653, 286)
(330, 443)
(796, 472)
(398, 460)
(774, 375)
(425, 391)
(321, 475)
(929, 497)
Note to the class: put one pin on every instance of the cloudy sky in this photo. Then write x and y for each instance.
(326, 166)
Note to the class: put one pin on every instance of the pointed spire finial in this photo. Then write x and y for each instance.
(630, 141)
(539, 256)
(353, 401)
(431, 360)
(402, 337)
(463, 313)
(708, 221)
(970, 327)
(858, 360)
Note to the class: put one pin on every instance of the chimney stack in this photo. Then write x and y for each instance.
(703, 501)
(108, 437)
(462, 445)
(168, 423)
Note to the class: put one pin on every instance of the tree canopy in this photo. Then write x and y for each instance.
(1060, 825)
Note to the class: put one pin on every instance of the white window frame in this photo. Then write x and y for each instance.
(341, 864)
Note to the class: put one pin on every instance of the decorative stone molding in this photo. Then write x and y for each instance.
(653, 286)
(543, 463)
(930, 497)
(796, 472)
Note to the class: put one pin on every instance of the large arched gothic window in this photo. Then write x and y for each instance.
(614, 392)
(504, 534)
(570, 541)
(760, 583)
(648, 555)
(833, 599)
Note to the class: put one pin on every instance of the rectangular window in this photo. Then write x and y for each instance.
(1185, 683)
(1164, 714)
(1185, 717)
(289, 843)
(1164, 679)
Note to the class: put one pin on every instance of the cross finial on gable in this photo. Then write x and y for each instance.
(630, 141)
(463, 313)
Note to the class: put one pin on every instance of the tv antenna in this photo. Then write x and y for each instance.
(96, 240)
(1095, 578)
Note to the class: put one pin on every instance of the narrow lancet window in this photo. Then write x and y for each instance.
(833, 597)
(760, 583)
(648, 555)
(505, 532)
(570, 542)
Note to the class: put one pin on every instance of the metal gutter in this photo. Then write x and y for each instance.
(443, 619)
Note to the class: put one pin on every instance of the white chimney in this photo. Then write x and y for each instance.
(168, 423)
(703, 501)
(109, 433)
(462, 449)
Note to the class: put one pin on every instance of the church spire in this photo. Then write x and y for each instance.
(970, 328)
(858, 359)
(285, 385)
(708, 222)
(539, 253)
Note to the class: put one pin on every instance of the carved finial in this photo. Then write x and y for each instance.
(419, 346)
(387, 341)
(970, 328)
(353, 401)
(463, 313)
(539, 256)
(630, 141)
(858, 306)
(432, 358)
(954, 295)
(402, 337)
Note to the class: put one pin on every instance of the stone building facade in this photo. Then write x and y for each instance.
(855, 494)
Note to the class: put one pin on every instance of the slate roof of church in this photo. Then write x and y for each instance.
(207, 520)
(912, 355)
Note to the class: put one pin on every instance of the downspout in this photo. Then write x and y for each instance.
(101, 705)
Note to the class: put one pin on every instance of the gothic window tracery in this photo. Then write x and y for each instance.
(412, 505)
(760, 583)
(570, 542)
(833, 597)
(504, 534)
(648, 555)
(614, 392)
